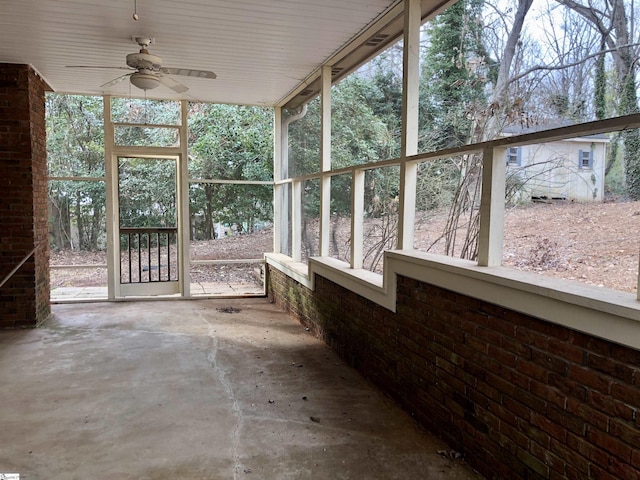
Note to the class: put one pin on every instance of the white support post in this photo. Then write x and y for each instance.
(325, 215)
(490, 239)
(407, 206)
(279, 212)
(296, 221)
(638, 295)
(357, 218)
(325, 161)
(409, 145)
(183, 195)
(111, 184)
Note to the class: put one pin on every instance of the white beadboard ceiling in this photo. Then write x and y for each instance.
(261, 50)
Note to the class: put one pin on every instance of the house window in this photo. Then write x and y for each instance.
(585, 159)
(514, 156)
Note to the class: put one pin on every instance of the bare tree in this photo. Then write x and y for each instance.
(499, 103)
(611, 19)
(464, 214)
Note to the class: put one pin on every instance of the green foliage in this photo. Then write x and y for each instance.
(630, 138)
(436, 183)
(75, 148)
(75, 136)
(304, 141)
(358, 135)
(451, 83)
(147, 192)
(365, 128)
(615, 178)
(229, 142)
(137, 110)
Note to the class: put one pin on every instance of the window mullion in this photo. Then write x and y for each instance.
(325, 160)
(296, 220)
(357, 218)
(410, 101)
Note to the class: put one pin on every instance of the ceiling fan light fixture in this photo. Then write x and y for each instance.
(144, 81)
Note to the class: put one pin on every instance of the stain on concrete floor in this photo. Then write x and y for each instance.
(186, 390)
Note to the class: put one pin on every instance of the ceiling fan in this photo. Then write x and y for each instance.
(148, 72)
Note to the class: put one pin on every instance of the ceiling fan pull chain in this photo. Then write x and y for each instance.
(145, 108)
(135, 10)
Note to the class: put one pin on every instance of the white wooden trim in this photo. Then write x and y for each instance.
(279, 228)
(407, 207)
(410, 104)
(78, 179)
(230, 182)
(146, 152)
(357, 218)
(182, 194)
(325, 215)
(146, 125)
(491, 235)
(410, 78)
(179, 156)
(149, 289)
(638, 284)
(325, 120)
(325, 161)
(227, 262)
(111, 194)
(296, 220)
(602, 312)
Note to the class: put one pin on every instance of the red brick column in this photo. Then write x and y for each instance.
(24, 299)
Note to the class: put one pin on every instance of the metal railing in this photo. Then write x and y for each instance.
(17, 267)
(148, 255)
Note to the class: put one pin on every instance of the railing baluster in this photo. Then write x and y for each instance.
(159, 258)
(168, 235)
(139, 256)
(129, 249)
(169, 238)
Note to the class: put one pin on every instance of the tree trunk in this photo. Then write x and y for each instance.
(80, 222)
(500, 96)
(470, 184)
(208, 212)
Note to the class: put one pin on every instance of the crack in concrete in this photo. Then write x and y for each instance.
(212, 358)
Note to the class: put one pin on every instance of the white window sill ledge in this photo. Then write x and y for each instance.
(605, 313)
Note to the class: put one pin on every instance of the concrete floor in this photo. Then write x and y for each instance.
(181, 390)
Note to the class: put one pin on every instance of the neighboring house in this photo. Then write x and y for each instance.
(563, 170)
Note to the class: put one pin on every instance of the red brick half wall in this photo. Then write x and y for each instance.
(521, 398)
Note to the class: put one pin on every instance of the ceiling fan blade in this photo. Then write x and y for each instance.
(171, 83)
(116, 80)
(96, 66)
(187, 72)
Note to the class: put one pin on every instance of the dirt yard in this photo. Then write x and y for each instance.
(597, 244)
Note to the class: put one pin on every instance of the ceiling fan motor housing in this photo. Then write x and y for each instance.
(144, 81)
(144, 60)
